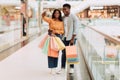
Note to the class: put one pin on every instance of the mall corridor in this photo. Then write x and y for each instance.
(96, 28)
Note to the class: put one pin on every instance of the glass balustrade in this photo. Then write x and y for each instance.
(100, 44)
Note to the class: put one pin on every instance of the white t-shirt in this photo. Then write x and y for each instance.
(66, 26)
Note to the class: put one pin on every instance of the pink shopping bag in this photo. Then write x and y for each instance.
(54, 45)
(42, 42)
(71, 51)
(52, 53)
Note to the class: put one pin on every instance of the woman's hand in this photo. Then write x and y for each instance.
(44, 13)
(49, 32)
(53, 33)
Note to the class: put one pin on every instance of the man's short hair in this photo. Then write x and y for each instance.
(67, 5)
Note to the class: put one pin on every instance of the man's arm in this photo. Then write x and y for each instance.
(75, 26)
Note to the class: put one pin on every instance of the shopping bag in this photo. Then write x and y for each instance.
(54, 45)
(73, 60)
(53, 52)
(60, 44)
(71, 55)
(46, 46)
(42, 42)
(71, 51)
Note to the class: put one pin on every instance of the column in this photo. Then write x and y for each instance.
(39, 15)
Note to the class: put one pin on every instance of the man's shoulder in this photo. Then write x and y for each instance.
(72, 15)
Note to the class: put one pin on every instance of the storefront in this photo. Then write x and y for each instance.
(101, 12)
(9, 14)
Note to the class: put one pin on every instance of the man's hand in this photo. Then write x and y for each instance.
(71, 41)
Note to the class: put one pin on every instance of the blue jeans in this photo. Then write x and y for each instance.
(58, 35)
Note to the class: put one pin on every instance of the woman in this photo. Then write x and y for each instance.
(56, 28)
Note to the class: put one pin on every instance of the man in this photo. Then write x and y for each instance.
(69, 37)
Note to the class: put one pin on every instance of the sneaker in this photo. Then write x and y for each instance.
(71, 70)
(53, 71)
(60, 71)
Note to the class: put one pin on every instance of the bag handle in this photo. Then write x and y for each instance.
(73, 43)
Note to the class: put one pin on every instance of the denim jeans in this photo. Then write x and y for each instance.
(58, 35)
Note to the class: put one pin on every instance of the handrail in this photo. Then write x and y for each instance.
(6, 31)
(98, 18)
(113, 39)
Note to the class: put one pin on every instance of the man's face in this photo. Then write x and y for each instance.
(66, 11)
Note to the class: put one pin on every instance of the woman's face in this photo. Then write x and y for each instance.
(57, 14)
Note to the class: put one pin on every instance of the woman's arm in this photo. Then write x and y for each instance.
(47, 19)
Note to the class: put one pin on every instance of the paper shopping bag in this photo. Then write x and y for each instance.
(46, 46)
(60, 44)
(54, 45)
(52, 49)
(71, 51)
(42, 42)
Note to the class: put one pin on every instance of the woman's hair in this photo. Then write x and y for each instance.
(60, 16)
